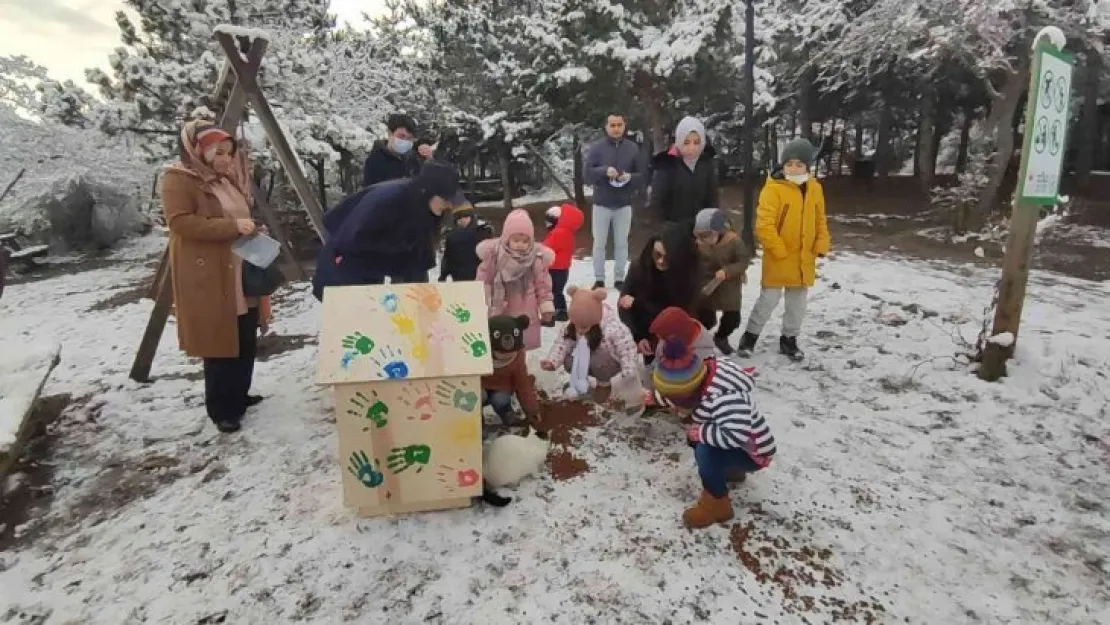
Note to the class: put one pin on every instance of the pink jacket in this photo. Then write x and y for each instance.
(536, 300)
(616, 340)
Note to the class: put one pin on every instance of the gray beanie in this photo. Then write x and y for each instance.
(710, 220)
(799, 149)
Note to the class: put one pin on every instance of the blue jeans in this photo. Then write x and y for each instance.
(502, 403)
(620, 219)
(559, 287)
(716, 464)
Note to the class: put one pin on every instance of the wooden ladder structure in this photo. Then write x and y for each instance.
(236, 87)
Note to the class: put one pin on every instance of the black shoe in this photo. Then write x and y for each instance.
(254, 400)
(561, 316)
(227, 426)
(747, 344)
(722, 345)
(491, 497)
(618, 285)
(788, 346)
(599, 284)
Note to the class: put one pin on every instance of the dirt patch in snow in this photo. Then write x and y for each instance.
(788, 560)
(563, 421)
(26, 492)
(122, 298)
(277, 344)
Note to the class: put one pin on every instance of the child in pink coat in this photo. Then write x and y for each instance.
(514, 271)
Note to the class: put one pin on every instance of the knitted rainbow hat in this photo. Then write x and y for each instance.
(678, 372)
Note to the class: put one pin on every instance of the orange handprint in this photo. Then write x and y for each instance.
(427, 296)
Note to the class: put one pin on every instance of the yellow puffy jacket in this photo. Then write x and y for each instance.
(792, 230)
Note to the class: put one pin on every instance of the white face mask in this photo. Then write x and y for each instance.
(402, 146)
(798, 178)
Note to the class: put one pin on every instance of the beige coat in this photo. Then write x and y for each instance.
(202, 267)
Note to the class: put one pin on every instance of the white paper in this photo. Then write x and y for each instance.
(258, 250)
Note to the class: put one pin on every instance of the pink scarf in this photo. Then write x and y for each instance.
(513, 271)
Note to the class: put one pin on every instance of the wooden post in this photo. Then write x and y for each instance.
(294, 270)
(1042, 157)
(579, 178)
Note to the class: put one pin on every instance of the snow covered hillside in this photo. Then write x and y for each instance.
(905, 490)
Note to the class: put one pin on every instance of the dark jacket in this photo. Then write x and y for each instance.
(677, 194)
(731, 255)
(460, 258)
(383, 164)
(384, 230)
(624, 156)
(653, 290)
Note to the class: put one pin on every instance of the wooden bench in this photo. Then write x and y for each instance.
(24, 370)
(27, 256)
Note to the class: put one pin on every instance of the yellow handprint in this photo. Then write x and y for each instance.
(404, 323)
(420, 352)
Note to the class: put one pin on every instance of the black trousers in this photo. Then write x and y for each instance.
(730, 321)
(228, 380)
(559, 287)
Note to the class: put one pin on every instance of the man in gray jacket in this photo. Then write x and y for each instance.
(616, 170)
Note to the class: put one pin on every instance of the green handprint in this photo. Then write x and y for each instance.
(369, 474)
(359, 342)
(477, 346)
(369, 408)
(451, 395)
(401, 458)
(460, 313)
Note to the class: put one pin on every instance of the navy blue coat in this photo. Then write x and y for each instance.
(383, 164)
(384, 230)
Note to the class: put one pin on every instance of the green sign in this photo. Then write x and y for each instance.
(1046, 125)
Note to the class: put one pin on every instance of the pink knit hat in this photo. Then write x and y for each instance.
(518, 222)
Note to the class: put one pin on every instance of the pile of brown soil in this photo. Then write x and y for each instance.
(784, 560)
(562, 422)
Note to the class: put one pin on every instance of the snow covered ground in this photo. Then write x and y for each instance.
(905, 490)
(553, 195)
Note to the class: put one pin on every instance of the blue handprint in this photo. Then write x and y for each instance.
(369, 474)
(392, 366)
(389, 302)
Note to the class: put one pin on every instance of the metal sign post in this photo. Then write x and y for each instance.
(1042, 158)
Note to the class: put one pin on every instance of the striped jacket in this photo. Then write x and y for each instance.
(728, 416)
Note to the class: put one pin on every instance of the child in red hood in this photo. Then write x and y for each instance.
(563, 223)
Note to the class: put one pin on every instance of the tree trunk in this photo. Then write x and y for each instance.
(579, 176)
(503, 157)
(859, 138)
(999, 126)
(651, 97)
(805, 102)
(884, 159)
(1088, 123)
(320, 178)
(925, 162)
(965, 141)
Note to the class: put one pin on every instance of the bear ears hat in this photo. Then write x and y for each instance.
(585, 306)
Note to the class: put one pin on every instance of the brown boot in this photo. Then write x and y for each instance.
(707, 511)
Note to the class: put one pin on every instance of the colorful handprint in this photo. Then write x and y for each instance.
(453, 478)
(418, 398)
(402, 458)
(404, 324)
(370, 408)
(438, 335)
(366, 472)
(389, 359)
(419, 352)
(460, 313)
(453, 396)
(427, 296)
(475, 345)
(389, 302)
(358, 343)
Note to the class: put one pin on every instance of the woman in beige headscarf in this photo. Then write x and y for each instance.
(207, 205)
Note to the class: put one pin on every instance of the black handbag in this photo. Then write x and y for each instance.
(259, 282)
